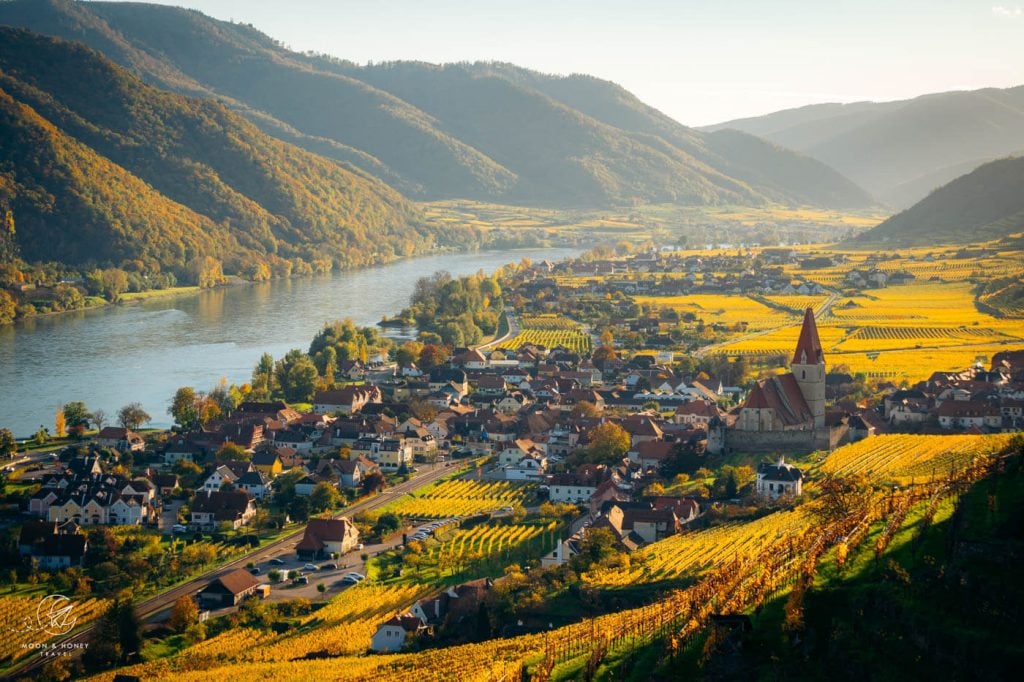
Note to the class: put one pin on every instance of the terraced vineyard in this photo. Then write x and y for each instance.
(551, 331)
(486, 539)
(690, 554)
(461, 498)
(907, 459)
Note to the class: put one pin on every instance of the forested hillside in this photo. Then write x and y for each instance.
(985, 204)
(97, 166)
(477, 131)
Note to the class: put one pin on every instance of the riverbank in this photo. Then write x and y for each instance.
(144, 351)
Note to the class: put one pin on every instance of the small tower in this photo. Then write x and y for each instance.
(808, 367)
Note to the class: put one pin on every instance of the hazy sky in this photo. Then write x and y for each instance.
(698, 61)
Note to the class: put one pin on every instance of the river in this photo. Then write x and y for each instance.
(144, 351)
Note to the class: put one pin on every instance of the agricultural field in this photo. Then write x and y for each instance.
(550, 331)
(731, 311)
(907, 459)
(898, 332)
(483, 540)
(20, 628)
(690, 554)
(461, 498)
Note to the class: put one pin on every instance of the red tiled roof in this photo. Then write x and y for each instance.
(808, 347)
(782, 394)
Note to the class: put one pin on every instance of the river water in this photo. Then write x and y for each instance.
(143, 352)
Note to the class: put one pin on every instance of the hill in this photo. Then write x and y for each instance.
(473, 131)
(900, 151)
(987, 203)
(98, 166)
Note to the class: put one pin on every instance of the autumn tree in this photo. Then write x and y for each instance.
(432, 356)
(324, 496)
(840, 496)
(99, 419)
(76, 417)
(132, 416)
(184, 613)
(184, 408)
(59, 424)
(233, 452)
(585, 409)
(609, 442)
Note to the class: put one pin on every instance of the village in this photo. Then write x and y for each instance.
(627, 446)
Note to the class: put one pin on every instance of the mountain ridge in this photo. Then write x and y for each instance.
(430, 149)
(900, 150)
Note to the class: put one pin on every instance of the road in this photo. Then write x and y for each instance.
(153, 606)
(513, 330)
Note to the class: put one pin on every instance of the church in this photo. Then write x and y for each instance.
(786, 411)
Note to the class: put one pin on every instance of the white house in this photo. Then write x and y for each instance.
(776, 480)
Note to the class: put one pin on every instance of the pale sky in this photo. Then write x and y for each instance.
(699, 61)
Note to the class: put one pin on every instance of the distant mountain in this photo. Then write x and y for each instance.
(476, 131)
(987, 203)
(99, 167)
(900, 151)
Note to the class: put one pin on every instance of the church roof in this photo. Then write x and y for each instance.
(808, 347)
(782, 394)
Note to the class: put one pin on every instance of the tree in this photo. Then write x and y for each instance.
(603, 354)
(387, 523)
(184, 613)
(8, 444)
(184, 408)
(585, 409)
(597, 546)
(324, 496)
(233, 452)
(59, 424)
(132, 416)
(76, 415)
(840, 496)
(321, 588)
(432, 356)
(302, 376)
(373, 482)
(99, 419)
(608, 443)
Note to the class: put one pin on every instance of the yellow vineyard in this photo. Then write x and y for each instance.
(909, 459)
(461, 498)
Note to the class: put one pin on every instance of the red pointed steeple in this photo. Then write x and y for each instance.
(808, 348)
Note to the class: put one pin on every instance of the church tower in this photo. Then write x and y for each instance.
(808, 368)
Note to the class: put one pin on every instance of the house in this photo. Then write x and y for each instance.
(571, 488)
(325, 537)
(348, 400)
(212, 508)
(182, 448)
(54, 546)
(123, 440)
(776, 480)
(165, 484)
(304, 486)
(268, 463)
(218, 477)
(964, 415)
(396, 631)
(254, 483)
(228, 590)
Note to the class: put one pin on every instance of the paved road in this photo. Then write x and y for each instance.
(513, 330)
(153, 607)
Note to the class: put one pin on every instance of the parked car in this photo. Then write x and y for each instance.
(276, 562)
(310, 567)
(328, 567)
(179, 528)
(357, 576)
(255, 570)
(304, 580)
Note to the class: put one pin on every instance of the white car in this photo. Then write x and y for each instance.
(356, 576)
(311, 567)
